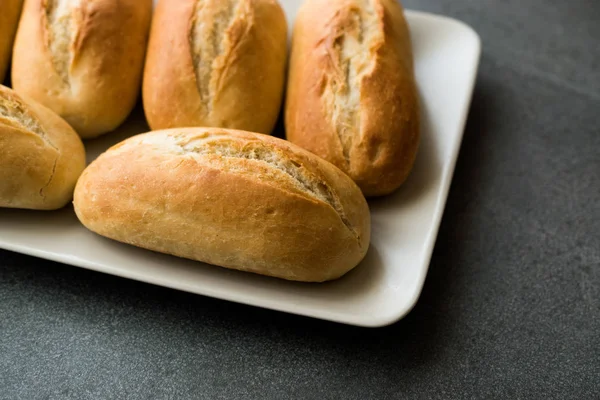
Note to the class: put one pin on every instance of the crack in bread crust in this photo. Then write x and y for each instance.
(353, 37)
(61, 33)
(208, 42)
(52, 173)
(227, 147)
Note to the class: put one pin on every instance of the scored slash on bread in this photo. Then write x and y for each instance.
(224, 151)
(216, 63)
(352, 96)
(42, 156)
(83, 59)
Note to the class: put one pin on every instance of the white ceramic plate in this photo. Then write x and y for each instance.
(384, 287)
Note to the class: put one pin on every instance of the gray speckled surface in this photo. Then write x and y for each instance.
(510, 308)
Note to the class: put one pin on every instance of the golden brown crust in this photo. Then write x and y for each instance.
(218, 63)
(83, 59)
(352, 96)
(240, 200)
(10, 10)
(42, 156)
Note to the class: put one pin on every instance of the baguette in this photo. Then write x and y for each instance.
(352, 97)
(42, 156)
(83, 59)
(239, 200)
(10, 10)
(216, 63)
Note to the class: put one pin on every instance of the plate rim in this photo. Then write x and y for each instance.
(382, 321)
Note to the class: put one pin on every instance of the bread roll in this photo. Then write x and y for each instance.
(9, 19)
(216, 63)
(352, 97)
(240, 200)
(83, 59)
(41, 155)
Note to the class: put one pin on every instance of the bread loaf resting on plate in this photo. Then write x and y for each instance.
(239, 200)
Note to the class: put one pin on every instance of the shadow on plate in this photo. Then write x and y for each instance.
(358, 283)
(58, 219)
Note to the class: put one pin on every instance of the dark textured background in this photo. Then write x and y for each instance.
(510, 308)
